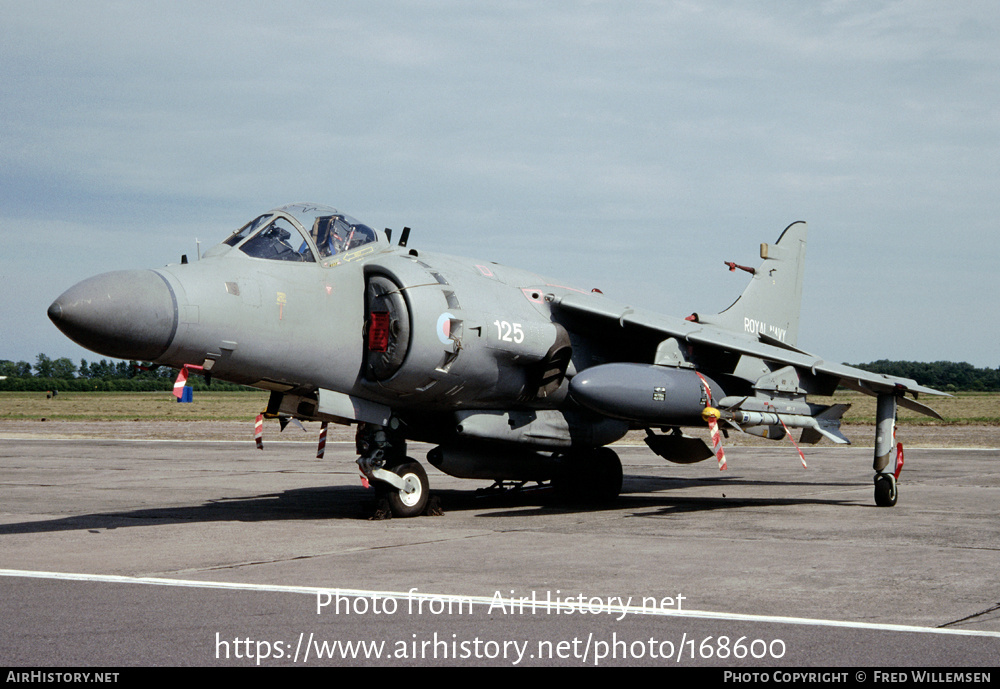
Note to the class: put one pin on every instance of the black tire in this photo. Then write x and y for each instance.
(405, 504)
(886, 491)
(608, 475)
(592, 477)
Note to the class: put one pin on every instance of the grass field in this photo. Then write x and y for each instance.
(965, 408)
(130, 406)
(973, 408)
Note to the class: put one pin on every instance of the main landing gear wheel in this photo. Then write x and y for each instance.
(886, 491)
(412, 500)
(592, 477)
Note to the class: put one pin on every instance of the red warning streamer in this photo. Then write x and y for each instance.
(258, 431)
(899, 460)
(802, 457)
(182, 377)
(713, 427)
(321, 450)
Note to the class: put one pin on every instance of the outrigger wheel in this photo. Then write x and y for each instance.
(886, 491)
(411, 500)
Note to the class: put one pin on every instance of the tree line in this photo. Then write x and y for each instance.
(63, 374)
(947, 376)
(115, 376)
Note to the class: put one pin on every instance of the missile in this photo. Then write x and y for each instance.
(826, 423)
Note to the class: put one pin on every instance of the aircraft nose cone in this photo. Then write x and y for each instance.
(127, 314)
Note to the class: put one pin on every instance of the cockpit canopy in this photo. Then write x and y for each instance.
(301, 232)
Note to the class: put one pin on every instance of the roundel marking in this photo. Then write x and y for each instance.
(444, 327)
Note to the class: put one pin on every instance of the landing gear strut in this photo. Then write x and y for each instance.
(399, 480)
(886, 491)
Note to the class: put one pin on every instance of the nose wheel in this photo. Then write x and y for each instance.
(409, 498)
(399, 481)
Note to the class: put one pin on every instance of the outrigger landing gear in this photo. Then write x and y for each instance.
(886, 491)
(399, 480)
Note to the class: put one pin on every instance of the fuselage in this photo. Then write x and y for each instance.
(391, 324)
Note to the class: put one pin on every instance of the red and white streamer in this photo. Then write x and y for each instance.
(321, 450)
(899, 460)
(258, 431)
(713, 427)
(802, 457)
(182, 379)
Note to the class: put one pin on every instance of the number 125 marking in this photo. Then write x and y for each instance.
(509, 332)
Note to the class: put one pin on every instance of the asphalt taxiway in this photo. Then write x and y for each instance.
(213, 553)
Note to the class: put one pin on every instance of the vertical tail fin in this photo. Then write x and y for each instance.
(769, 307)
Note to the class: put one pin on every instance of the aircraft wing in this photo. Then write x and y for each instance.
(608, 315)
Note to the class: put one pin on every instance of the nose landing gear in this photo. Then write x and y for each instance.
(407, 496)
(399, 481)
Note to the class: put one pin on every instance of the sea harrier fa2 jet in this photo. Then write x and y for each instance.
(512, 376)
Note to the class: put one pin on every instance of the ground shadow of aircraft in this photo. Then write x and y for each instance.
(511, 375)
(331, 502)
(644, 495)
(354, 502)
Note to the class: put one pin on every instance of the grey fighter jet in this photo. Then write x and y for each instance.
(512, 376)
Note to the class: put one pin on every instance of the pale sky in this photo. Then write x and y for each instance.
(628, 146)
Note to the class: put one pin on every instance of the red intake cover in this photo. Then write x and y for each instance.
(378, 332)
